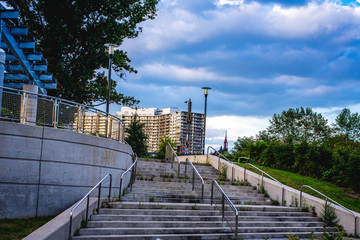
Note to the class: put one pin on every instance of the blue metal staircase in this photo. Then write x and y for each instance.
(23, 64)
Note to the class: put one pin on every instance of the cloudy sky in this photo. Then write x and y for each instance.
(259, 58)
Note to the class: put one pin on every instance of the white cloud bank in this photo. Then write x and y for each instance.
(175, 25)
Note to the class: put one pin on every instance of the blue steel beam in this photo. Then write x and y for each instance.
(20, 56)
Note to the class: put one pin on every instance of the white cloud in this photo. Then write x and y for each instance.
(174, 25)
(236, 126)
(175, 73)
(332, 112)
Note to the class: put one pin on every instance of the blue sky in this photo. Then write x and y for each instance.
(259, 58)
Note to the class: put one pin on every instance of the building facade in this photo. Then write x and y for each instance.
(167, 122)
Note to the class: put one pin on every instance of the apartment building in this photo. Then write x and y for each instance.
(158, 123)
(167, 122)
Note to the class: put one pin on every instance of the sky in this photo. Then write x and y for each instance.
(260, 57)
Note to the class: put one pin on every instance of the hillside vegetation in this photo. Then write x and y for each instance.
(302, 143)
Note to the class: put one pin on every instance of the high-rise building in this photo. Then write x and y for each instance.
(167, 122)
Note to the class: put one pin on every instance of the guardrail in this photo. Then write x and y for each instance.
(170, 156)
(225, 198)
(87, 196)
(262, 180)
(38, 109)
(326, 200)
(219, 164)
(132, 177)
(195, 173)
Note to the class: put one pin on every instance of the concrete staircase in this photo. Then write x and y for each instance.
(162, 206)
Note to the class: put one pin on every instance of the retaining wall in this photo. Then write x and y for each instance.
(43, 171)
(291, 195)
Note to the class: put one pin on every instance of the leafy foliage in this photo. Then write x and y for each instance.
(298, 125)
(136, 137)
(71, 35)
(348, 125)
(162, 146)
(299, 141)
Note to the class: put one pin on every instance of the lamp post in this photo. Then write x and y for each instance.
(206, 91)
(111, 47)
(188, 120)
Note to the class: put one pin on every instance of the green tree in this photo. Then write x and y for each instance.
(297, 125)
(136, 137)
(71, 35)
(348, 125)
(162, 146)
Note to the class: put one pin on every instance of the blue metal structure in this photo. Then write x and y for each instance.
(23, 65)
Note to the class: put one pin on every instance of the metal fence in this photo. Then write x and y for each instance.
(42, 110)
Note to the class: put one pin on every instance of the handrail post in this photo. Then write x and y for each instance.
(355, 229)
(219, 164)
(98, 204)
(186, 161)
(301, 196)
(262, 180)
(245, 172)
(110, 187)
(202, 192)
(178, 169)
(120, 188)
(236, 226)
(223, 206)
(70, 227)
(232, 173)
(193, 180)
(282, 196)
(87, 210)
(212, 192)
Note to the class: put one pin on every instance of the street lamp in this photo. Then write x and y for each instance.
(188, 120)
(111, 47)
(206, 91)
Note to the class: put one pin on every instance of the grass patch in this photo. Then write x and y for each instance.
(13, 229)
(295, 180)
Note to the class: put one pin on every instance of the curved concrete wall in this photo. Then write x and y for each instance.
(44, 170)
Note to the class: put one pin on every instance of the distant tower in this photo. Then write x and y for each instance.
(225, 149)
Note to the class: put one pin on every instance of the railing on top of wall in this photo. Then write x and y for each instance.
(326, 200)
(38, 109)
(219, 165)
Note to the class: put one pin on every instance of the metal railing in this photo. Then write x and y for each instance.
(262, 180)
(132, 169)
(219, 163)
(195, 175)
(170, 156)
(87, 196)
(220, 205)
(38, 109)
(326, 200)
(247, 159)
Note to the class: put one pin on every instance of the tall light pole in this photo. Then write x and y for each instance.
(188, 120)
(206, 91)
(111, 47)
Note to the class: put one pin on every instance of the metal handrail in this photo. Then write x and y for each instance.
(55, 114)
(132, 179)
(88, 198)
(177, 158)
(195, 171)
(232, 164)
(232, 206)
(262, 179)
(243, 158)
(326, 199)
